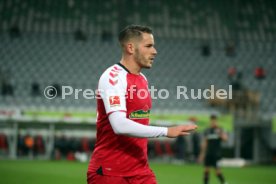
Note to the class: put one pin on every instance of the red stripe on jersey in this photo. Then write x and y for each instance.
(116, 68)
(113, 75)
(115, 111)
(113, 83)
(116, 71)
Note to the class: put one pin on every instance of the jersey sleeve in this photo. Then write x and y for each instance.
(122, 125)
(112, 91)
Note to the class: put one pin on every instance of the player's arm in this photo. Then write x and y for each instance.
(203, 148)
(123, 126)
(223, 135)
(179, 130)
(112, 91)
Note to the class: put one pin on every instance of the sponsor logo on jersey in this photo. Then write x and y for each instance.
(114, 101)
(140, 114)
(213, 136)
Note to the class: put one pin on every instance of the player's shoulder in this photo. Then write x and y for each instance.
(115, 69)
(112, 74)
(207, 131)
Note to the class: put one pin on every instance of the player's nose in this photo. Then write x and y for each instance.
(154, 52)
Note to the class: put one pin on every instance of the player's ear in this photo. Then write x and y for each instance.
(130, 48)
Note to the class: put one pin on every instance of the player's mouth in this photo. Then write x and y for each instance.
(151, 59)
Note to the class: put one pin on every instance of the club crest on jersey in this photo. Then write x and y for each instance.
(140, 114)
(114, 101)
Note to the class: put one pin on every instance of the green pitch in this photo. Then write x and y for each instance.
(62, 172)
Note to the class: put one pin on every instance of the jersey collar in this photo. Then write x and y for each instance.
(123, 67)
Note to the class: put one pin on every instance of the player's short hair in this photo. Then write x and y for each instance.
(213, 117)
(133, 31)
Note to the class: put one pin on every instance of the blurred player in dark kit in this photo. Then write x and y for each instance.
(211, 149)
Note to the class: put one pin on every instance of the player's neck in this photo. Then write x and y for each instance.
(131, 65)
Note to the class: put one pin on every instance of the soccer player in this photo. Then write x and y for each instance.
(211, 149)
(123, 110)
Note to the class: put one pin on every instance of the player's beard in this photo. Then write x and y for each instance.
(141, 60)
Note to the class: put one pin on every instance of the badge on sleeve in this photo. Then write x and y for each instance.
(114, 101)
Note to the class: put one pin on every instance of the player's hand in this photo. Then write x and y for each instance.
(176, 131)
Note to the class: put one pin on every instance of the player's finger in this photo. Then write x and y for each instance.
(184, 133)
(189, 127)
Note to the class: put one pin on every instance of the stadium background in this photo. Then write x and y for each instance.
(200, 43)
